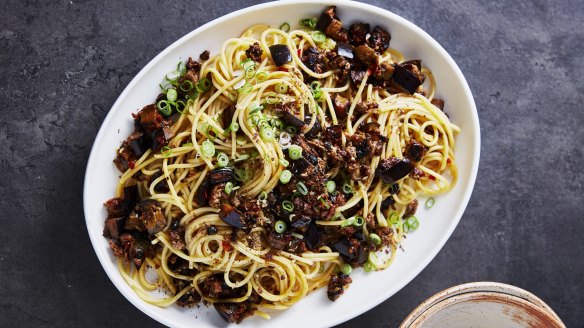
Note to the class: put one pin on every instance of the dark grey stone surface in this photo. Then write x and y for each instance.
(63, 64)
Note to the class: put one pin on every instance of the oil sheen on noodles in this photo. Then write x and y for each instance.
(290, 276)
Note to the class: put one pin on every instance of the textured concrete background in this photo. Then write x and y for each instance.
(64, 63)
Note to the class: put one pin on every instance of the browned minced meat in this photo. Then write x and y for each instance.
(358, 33)
(337, 285)
(344, 67)
(254, 52)
(204, 55)
(313, 59)
(217, 195)
(177, 232)
(379, 39)
(234, 312)
(341, 106)
(411, 208)
(438, 103)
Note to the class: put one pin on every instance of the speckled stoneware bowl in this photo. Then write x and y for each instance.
(482, 305)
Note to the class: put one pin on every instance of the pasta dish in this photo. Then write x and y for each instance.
(276, 167)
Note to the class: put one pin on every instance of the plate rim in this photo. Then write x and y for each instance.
(379, 298)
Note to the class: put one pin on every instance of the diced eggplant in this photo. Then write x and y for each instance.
(367, 55)
(234, 312)
(358, 33)
(331, 25)
(301, 224)
(280, 54)
(408, 79)
(386, 71)
(291, 119)
(150, 118)
(379, 40)
(315, 130)
(150, 214)
(114, 227)
(278, 240)
(221, 175)
(313, 59)
(393, 169)
(343, 65)
(415, 151)
(346, 50)
(312, 237)
(231, 216)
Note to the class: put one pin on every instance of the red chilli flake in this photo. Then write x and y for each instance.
(448, 161)
(227, 246)
(131, 164)
(282, 69)
(432, 177)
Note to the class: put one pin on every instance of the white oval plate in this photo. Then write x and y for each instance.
(367, 289)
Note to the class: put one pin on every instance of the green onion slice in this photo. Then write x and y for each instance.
(261, 76)
(430, 202)
(186, 86)
(412, 222)
(171, 95)
(359, 221)
(164, 108)
(246, 88)
(284, 162)
(228, 187)
(375, 239)
(285, 27)
(346, 268)
(287, 206)
(295, 152)
(393, 218)
(347, 189)
(208, 148)
(166, 151)
(285, 176)
(302, 188)
(204, 85)
(315, 85)
(368, 266)
(280, 226)
(263, 195)
(308, 22)
(281, 88)
(271, 98)
(222, 159)
(266, 133)
(318, 37)
(331, 186)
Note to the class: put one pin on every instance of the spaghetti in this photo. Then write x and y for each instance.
(254, 181)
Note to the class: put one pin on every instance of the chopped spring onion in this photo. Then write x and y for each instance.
(317, 94)
(250, 72)
(348, 222)
(246, 63)
(208, 148)
(278, 124)
(373, 259)
(295, 152)
(242, 175)
(315, 85)
(240, 140)
(359, 221)
(180, 106)
(164, 107)
(308, 22)
(287, 206)
(347, 189)
(331, 186)
(271, 98)
(263, 195)
(255, 106)
(412, 222)
(430, 202)
(368, 266)
(266, 133)
(280, 226)
(291, 129)
(234, 126)
(297, 235)
(285, 138)
(187, 86)
(246, 88)
(188, 144)
(346, 268)
(166, 151)
(318, 37)
(284, 162)
(328, 44)
(302, 188)
(375, 239)
(222, 159)
(261, 76)
(285, 27)
(285, 176)
(204, 85)
(393, 218)
(171, 95)
(228, 187)
(281, 88)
